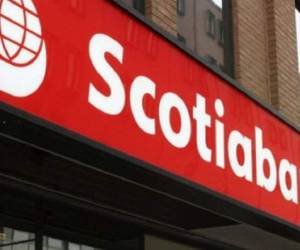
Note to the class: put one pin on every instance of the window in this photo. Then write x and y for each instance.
(220, 32)
(181, 7)
(203, 26)
(57, 244)
(205, 29)
(73, 246)
(53, 244)
(16, 240)
(211, 24)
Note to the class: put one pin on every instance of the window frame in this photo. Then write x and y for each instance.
(228, 46)
(220, 32)
(211, 24)
(180, 6)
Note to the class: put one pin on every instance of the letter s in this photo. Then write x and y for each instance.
(113, 104)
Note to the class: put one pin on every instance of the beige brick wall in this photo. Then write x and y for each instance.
(163, 13)
(285, 63)
(250, 46)
(266, 52)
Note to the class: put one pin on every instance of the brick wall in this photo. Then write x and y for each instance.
(286, 77)
(163, 13)
(250, 46)
(266, 52)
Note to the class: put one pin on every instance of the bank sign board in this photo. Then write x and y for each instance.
(94, 69)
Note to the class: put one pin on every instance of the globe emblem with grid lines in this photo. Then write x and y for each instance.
(20, 32)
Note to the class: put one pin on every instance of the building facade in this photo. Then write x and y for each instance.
(79, 175)
(264, 44)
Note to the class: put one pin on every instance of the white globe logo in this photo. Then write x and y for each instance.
(22, 48)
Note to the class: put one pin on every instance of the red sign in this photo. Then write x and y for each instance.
(92, 68)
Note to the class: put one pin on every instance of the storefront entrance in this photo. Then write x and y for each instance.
(59, 193)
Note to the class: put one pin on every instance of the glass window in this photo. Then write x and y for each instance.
(221, 32)
(61, 244)
(54, 244)
(20, 235)
(12, 239)
(211, 24)
(181, 7)
(73, 246)
(203, 26)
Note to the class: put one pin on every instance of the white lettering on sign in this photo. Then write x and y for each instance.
(239, 146)
(113, 104)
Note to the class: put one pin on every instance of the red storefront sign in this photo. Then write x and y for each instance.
(92, 68)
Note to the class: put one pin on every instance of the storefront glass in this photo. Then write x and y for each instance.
(12, 239)
(57, 244)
